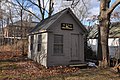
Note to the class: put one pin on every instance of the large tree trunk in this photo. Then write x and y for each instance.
(104, 19)
(103, 49)
(103, 46)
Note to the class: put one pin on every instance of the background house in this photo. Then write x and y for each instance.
(17, 30)
(113, 41)
(58, 40)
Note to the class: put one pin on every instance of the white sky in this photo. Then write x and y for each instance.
(94, 4)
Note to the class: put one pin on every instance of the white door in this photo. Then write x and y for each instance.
(74, 46)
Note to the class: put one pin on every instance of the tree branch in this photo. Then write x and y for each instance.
(84, 5)
(116, 3)
(33, 3)
(28, 11)
(40, 8)
(74, 3)
(32, 14)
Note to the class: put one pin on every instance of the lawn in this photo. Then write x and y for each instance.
(22, 68)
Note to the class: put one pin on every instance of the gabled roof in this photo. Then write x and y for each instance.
(45, 24)
(24, 23)
(113, 33)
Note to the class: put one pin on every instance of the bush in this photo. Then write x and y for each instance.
(89, 53)
(20, 47)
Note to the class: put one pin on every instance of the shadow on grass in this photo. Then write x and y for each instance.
(56, 77)
(9, 67)
(6, 63)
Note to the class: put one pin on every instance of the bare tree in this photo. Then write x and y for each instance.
(79, 7)
(41, 7)
(104, 20)
(11, 14)
(2, 22)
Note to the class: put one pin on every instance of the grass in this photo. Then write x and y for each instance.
(21, 68)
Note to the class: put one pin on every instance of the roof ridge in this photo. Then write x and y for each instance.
(57, 13)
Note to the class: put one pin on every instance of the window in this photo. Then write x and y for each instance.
(58, 44)
(32, 41)
(39, 43)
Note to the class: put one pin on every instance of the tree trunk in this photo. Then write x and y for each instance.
(103, 49)
(104, 19)
(50, 8)
(103, 46)
(103, 39)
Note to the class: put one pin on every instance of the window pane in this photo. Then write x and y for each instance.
(39, 38)
(31, 44)
(39, 43)
(58, 48)
(39, 47)
(32, 39)
(58, 39)
(58, 44)
(31, 47)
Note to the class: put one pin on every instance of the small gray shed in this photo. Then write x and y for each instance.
(58, 40)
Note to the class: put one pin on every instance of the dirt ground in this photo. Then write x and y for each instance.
(13, 67)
